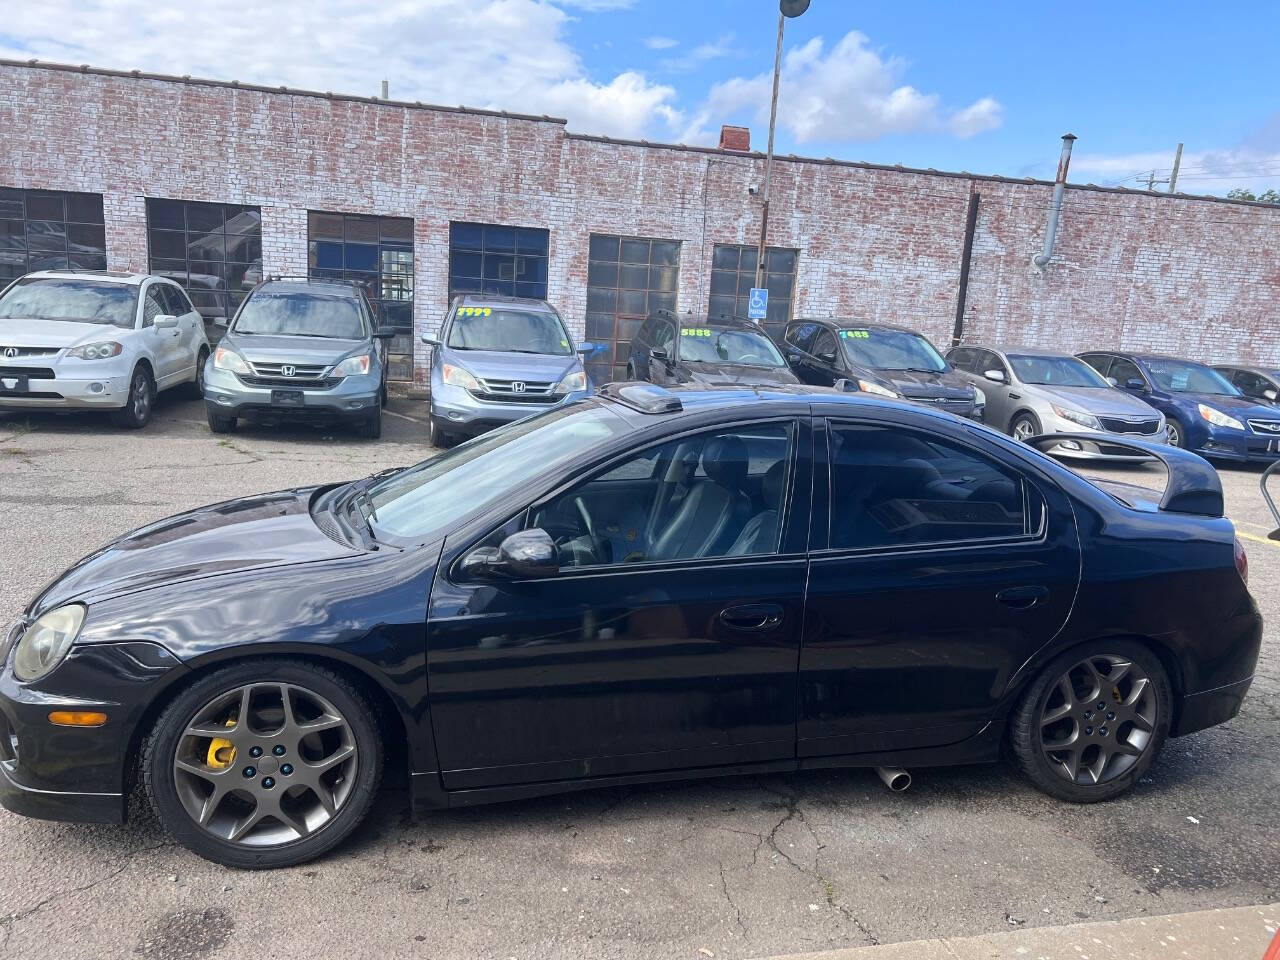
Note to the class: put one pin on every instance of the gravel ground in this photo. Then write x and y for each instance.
(730, 868)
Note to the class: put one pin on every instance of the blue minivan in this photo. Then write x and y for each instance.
(1205, 413)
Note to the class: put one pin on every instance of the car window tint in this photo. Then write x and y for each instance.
(716, 494)
(962, 359)
(152, 306)
(824, 345)
(1122, 371)
(1099, 362)
(895, 488)
(178, 301)
(800, 335)
(664, 338)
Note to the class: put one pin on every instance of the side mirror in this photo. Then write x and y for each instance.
(586, 348)
(828, 357)
(1113, 381)
(430, 341)
(384, 333)
(219, 322)
(1271, 395)
(165, 321)
(526, 555)
(995, 376)
(659, 355)
(1135, 383)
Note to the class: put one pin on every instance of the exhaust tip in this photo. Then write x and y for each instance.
(895, 779)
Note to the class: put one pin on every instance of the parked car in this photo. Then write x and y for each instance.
(673, 349)
(1031, 392)
(881, 359)
(645, 584)
(300, 348)
(498, 359)
(1203, 411)
(93, 340)
(1257, 383)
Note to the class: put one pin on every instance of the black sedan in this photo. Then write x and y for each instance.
(674, 349)
(645, 585)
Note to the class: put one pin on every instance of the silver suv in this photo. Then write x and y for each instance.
(300, 348)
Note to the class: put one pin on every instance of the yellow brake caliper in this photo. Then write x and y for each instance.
(222, 753)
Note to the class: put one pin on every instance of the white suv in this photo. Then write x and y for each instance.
(97, 341)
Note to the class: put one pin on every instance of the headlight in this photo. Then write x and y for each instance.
(96, 351)
(571, 383)
(867, 386)
(353, 366)
(457, 377)
(1077, 416)
(46, 642)
(229, 360)
(1220, 419)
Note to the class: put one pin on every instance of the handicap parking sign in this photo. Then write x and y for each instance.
(758, 305)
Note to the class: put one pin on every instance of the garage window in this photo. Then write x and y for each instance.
(213, 250)
(50, 230)
(377, 252)
(488, 258)
(628, 278)
(733, 274)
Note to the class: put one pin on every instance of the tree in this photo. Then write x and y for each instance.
(1268, 196)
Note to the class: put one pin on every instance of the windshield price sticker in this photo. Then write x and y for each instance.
(695, 332)
(474, 311)
(855, 334)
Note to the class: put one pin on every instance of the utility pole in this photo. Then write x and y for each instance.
(786, 8)
(1173, 177)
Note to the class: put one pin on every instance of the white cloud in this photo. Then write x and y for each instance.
(598, 6)
(660, 43)
(846, 94)
(1215, 171)
(715, 49)
(500, 54)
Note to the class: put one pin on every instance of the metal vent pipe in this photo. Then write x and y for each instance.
(1055, 208)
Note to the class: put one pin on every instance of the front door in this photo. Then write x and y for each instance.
(941, 571)
(165, 342)
(668, 640)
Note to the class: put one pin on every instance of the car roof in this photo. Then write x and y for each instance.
(122, 277)
(327, 288)
(1248, 367)
(846, 323)
(647, 400)
(1023, 351)
(497, 300)
(724, 321)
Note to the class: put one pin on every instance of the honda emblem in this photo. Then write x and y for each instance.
(287, 370)
(517, 386)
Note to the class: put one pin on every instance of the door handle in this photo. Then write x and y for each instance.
(1020, 598)
(752, 616)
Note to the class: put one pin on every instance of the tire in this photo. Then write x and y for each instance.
(371, 426)
(195, 389)
(1143, 726)
(1025, 422)
(436, 436)
(137, 409)
(631, 372)
(219, 423)
(1177, 435)
(282, 823)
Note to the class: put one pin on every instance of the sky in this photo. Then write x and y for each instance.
(986, 86)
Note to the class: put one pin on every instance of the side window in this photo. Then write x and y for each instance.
(177, 301)
(152, 305)
(896, 488)
(800, 335)
(824, 346)
(963, 358)
(1250, 384)
(716, 494)
(1125, 370)
(991, 361)
(664, 338)
(1099, 362)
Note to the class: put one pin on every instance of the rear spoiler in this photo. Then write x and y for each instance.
(1193, 486)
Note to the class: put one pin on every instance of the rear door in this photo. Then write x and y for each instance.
(940, 571)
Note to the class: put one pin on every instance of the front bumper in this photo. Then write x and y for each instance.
(1241, 446)
(66, 393)
(457, 411)
(351, 397)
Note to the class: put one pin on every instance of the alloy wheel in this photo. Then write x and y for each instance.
(1175, 435)
(1098, 719)
(141, 396)
(1024, 430)
(265, 764)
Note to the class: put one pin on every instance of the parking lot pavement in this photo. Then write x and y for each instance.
(728, 868)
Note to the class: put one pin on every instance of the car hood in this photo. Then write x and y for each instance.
(720, 374)
(270, 530)
(1238, 407)
(261, 348)
(1101, 401)
(54, 333)
(914, 385)
(504, 365)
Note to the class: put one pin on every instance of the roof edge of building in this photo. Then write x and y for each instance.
(281, 90)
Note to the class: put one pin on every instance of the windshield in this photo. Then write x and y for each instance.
(425, 500)
(891, 350)
(80, 301)
(1056, 371)
(1180, 376)
(746, 347)
(509, 331)
(301, 314)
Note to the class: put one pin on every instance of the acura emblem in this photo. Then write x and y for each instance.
(287, 370)
(10, 352)
(517, 386)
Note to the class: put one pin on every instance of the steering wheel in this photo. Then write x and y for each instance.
(587, 523)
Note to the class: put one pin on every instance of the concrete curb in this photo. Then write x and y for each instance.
(1237, 933)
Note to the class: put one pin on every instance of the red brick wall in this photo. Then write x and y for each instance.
(1196, 277)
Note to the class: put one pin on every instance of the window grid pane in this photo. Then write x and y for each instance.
(490, 258)
(375, 252)
(627, 279)
(213, 250)
(733, 274)
(50, 230)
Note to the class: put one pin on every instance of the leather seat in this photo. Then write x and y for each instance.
(760, 535)
(713, 513)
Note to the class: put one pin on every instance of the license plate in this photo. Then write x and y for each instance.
(286, 398)
(13, 385)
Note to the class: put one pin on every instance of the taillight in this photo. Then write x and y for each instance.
(1242, 562)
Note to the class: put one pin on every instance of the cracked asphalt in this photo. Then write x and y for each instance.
(728, 868)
